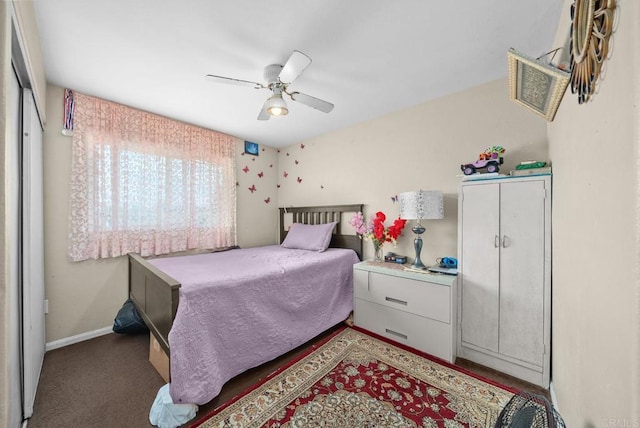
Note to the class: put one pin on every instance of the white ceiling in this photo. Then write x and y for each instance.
(370, 57)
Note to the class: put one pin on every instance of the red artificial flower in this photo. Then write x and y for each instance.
(376, 230)
(395, 230)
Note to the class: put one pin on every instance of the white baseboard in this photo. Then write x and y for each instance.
(77, 338)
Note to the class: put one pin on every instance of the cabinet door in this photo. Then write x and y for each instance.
(480, 265)
(522, 270)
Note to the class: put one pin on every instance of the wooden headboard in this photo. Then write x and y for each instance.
(325, 214)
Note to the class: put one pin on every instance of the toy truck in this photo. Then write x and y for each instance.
(490, 159)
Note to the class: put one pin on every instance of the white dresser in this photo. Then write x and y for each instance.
(413, 308)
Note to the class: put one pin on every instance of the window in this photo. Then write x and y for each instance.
(147, 184)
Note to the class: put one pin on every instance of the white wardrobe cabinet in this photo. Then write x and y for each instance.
(504, 275)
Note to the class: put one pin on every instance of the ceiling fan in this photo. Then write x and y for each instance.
(278, 78)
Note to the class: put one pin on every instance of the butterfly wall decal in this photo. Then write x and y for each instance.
(297, 162)
(261, 174)
(301, 145)
(266, 201)
(252, 188)
(285, 174)
(245, 169)
(299, 180)
(394, 198)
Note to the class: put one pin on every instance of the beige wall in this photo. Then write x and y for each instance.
(258, 210)
(596, 286)
(85, 296)
(418, 148)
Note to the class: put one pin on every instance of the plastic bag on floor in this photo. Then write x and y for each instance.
(165, 414)
(128, 321)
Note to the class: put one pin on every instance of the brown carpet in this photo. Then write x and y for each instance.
(108, 382)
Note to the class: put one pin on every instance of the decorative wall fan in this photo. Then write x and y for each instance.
(591, 27)
(277, 79)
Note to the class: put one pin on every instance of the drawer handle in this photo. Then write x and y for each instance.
(392, 300)
(395, 333)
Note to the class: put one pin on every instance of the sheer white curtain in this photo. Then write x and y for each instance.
(147, 184)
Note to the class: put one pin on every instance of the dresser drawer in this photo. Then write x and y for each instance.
(432, 337)
(416, 297)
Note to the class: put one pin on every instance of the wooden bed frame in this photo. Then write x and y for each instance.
(156, 294)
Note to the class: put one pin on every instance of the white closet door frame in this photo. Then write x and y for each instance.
(25, 174)
(12, 175)
(33, 322)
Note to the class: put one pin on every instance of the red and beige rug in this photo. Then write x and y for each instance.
(356, 380)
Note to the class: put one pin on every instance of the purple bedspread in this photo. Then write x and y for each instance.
(241, 308)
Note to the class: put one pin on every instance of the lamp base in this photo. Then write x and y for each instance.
(417, 243)
(419, 265)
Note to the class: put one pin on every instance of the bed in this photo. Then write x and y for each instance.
(215, 325)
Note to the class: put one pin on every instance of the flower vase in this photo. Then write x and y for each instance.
(378, 255)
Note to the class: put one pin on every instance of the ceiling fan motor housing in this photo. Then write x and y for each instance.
(271, 73)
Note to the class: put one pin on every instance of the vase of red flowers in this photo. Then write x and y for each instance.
(375, 231)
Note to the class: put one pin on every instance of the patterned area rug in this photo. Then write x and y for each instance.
(356, 380)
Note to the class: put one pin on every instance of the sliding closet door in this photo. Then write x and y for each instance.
(13, 213)
(32, 251)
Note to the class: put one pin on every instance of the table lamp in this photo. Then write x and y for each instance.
(420, 205)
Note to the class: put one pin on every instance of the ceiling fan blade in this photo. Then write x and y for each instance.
(236, 82)
(310, 101)
(295, 65)
(263, 115)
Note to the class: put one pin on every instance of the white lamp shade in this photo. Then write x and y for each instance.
(276, 106)
(422, 204)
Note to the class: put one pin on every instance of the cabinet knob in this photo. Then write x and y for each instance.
(505, 241)
(496, 242)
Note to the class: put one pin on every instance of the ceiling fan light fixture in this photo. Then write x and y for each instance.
(277, 79)
(276, 106)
